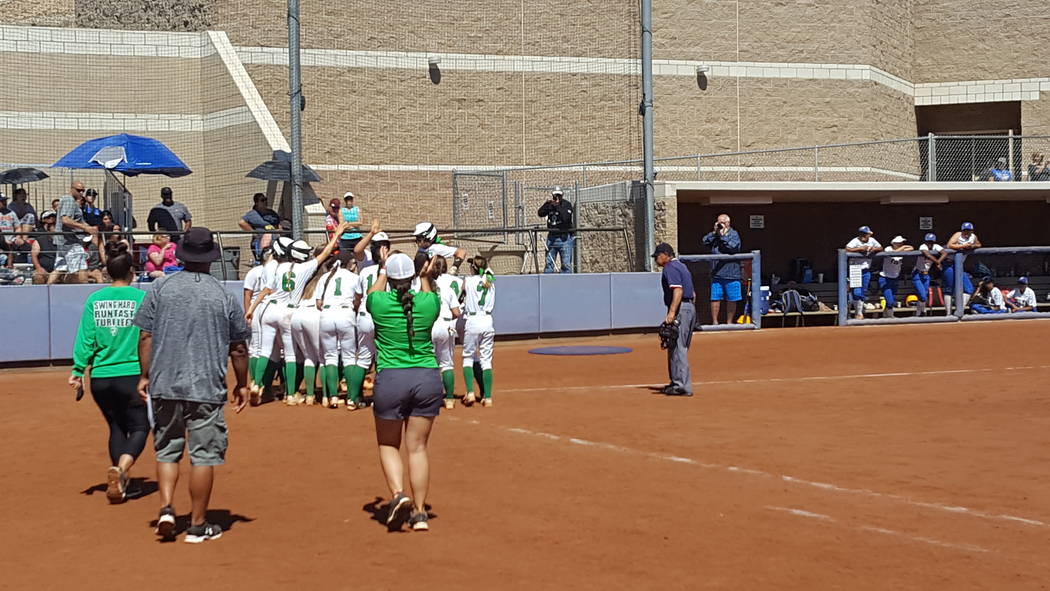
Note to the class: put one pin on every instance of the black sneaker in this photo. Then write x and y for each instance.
(418, 521)
(676, 391)
(399, 502)
(166, 524)
(196, 534)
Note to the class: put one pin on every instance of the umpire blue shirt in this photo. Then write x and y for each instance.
(728, 244)
(676, 274)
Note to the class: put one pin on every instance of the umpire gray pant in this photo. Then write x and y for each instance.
(678, 357)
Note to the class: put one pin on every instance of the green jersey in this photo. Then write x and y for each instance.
(395, 349)
(106, 339)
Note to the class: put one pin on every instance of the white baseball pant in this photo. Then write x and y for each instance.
(444, 336)
(306, 333)
(255, 346)
(270, 334)
(338, 335)
(478, 339)
(366, 341)
(287, 338)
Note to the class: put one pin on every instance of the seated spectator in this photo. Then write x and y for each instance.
(260, 217)
(160, 256)
(92, 214)
(1022, 298)
(9, 222)
(44, 251)
(999, 172)
(54, 204)
(988, 299)
(24, 210)
(21, 250)
(1039, 169)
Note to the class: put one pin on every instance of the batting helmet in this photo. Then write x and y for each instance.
(425, 230)
(281, 245)
(300, 251)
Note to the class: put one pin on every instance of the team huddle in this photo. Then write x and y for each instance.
(306, 307)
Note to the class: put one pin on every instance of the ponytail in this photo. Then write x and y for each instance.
(404, 296)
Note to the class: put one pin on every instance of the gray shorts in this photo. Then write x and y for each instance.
(409, 392)
(202, 423)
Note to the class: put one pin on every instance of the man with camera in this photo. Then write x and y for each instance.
(725, 275)
(560, 239)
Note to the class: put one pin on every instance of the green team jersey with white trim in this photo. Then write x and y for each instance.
(480, 298)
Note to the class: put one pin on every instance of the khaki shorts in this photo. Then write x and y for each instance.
(200, 423)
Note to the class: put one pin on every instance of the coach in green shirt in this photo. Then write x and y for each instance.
(408, 389)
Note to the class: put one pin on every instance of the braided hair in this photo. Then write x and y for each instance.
(404, 296)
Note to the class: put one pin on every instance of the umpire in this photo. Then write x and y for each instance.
(677, 283)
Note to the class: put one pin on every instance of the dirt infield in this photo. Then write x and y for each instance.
(907, 457)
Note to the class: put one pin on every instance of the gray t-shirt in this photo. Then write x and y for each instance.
(193, 320)
(168, 217)
(67, 206)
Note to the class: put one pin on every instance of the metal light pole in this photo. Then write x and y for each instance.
(295, 92)
(647, 129)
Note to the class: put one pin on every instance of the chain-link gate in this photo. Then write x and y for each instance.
(479, 200)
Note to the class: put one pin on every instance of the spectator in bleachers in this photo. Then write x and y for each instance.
(864, 243)
(24, 210)
(988, 299)
(21, 250)
(933, 255)
(332, 218)
(889, 276)
(1022, 298)
(72, 258)
(54, 204)
(95, 262)
(964, 240)
(260, 217)
(92, 214)
(725, 275)
(169, 215)
(351, 215)
(44, 250)
(1000, 172)
(9, 224)
(160, 256)
(1039, 169)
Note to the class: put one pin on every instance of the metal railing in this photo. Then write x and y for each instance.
(932, 158)
(755, 313)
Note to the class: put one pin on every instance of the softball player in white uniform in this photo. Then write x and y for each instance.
(294, 280)
(338, 332)
(449, 288)
(266, 313)
(427, 240)
(479, 298)
(254, 282)
(306, 333)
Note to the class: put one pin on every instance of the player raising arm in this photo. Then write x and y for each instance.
(427, 240)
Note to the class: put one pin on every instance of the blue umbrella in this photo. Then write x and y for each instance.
(127, 154)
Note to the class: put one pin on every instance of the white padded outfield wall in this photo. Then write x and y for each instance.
(41, 321)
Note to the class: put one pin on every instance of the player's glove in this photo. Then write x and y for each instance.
(668, 333)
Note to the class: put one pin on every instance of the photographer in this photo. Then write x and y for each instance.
(725, 275)
(560, 239)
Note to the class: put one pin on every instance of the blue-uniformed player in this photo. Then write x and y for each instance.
(964, 240)
(677, 283)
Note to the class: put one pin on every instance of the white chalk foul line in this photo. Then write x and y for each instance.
(944, 507)
(855, 376)
(879, 530)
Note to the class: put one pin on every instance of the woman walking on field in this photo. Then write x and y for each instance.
(107, 343)
(408, 388)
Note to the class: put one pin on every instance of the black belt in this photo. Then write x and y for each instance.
(687, 299)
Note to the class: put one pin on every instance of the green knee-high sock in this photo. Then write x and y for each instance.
(486, 376)
(291, 375)
(468, 378)
(479, 377)
(448, 377)
(355, 380)
(310, 379)
(253, 369)
(330, 377)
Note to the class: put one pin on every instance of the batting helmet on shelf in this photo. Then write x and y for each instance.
(425, 230)
(281, 245)
(300, 251)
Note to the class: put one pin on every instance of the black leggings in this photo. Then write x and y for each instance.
(119, 401)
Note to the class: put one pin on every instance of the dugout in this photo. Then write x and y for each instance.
(788, 221)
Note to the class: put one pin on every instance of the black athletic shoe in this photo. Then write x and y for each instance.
(196, 534)
(166, 524)
(418, 521)
(397, 504)
(675, 391)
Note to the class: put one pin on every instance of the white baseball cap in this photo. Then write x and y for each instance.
(557, 191)
(898, 240)
(400, 266)
(380, 237)
(348, 194)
